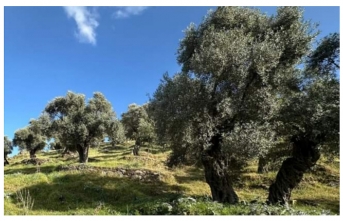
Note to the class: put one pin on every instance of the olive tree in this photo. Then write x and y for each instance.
(310, 119)
(235, 66)
(8, 147)
(27, 138)
(130, 120)
(79, 122)
(56, 145)
(138, 125)
(116, 133)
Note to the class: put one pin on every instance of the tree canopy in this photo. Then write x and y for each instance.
(30, 138)
(309, 118)
(235, 66)
(79, 122)
(137, 123)
(8, 147)
(115, 132)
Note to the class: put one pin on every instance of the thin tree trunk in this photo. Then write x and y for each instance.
(136, 147)
(262, 165)
(305, 155)
(135, 150)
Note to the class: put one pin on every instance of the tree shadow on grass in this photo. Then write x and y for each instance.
(31, 170)
(193, 174)
(51, 153)
(86, 190)
(110, 149)
(153, 149)
(332, 205)
(103, 157)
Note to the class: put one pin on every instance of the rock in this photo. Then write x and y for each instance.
(167, 206)
(188, 199)
(138, 172)
(137, 177)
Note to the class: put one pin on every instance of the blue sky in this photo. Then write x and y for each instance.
(119, 51)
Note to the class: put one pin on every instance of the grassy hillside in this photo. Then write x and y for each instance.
(115, 182)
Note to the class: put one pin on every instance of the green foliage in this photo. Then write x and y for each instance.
(137, 123)
(313, 111)
(30, 138)
(235, 64)
(115, 132)
(204, 206)
(76, 123)
(8, 146)
(55, 145)
(324, 60)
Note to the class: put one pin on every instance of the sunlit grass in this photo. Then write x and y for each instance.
(98, 193)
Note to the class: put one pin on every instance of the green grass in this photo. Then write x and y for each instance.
(83, 192)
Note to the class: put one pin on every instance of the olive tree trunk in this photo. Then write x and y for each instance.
(32, 153)
(83, 153)
(262, 165)
(6, 161)
(217, 174)
(136, 147)
(305, 155)
(219, 181)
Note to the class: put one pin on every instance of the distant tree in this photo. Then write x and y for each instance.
(8, 147)
(138, 125)
(28, 139)
(130, 120)
(116, 133)
(235, 66)
(310, 119)
(80, 123)
(56, 145)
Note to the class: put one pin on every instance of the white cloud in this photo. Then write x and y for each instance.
(86, 23)
(127, 11)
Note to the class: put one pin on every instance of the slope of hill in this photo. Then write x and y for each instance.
(115, 182)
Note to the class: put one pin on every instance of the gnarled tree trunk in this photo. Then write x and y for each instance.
(83, 153)
(305, 155)
(217, 174)
(219, 180)
(33, 154)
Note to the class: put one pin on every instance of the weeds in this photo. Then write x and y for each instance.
(24, 197)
